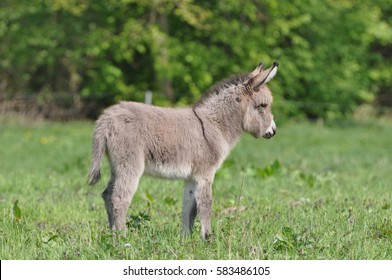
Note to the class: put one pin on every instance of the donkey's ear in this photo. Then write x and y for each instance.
(265, 76)
(271, 72)
(259, 69)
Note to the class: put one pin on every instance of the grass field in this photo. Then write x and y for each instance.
(311, 192)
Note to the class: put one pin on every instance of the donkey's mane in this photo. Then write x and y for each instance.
(218, 87)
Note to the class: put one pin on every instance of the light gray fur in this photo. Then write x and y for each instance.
(188, 144)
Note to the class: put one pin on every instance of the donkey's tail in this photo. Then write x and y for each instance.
(99, 147)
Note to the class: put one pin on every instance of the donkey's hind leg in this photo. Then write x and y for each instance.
(189, 209)
(106, 195)
(118, 196)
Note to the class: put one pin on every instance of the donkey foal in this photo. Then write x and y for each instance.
(187, 144)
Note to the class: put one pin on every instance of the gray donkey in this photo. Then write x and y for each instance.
(189, 143)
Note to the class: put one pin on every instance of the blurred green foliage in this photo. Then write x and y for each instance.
(334, 55)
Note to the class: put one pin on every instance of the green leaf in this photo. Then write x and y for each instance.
(149, 197)
(17, 211)
(52, 238)
(170, 201)
(285, 239)
(138, 221)
(276, 165)
(269, 170)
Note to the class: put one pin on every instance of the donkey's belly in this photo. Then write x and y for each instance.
(168, 171)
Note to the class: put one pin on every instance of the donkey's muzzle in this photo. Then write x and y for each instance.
(271, 131)
(269, 135)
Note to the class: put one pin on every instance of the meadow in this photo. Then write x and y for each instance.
(314, 191)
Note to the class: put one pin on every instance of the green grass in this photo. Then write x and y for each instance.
(311, 192)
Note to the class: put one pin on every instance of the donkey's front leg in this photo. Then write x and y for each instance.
(189, 209)
(204, 203)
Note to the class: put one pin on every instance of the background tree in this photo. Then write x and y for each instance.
(334, 55)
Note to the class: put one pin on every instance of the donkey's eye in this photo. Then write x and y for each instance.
(262, 106)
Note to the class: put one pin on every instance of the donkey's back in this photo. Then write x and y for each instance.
(163, 142)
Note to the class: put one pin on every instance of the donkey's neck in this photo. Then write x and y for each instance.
(223, 119)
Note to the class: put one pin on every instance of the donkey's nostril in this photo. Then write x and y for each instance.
(270, 133)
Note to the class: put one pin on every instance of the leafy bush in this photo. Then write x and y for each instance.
(334, 54)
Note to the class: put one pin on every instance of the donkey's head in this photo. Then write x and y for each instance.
(258, 119)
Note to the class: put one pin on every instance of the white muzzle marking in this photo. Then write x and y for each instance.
(271, 130)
